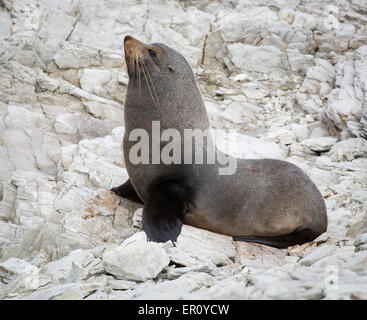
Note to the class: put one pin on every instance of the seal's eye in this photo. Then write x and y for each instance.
(170, 68)
(152, 53)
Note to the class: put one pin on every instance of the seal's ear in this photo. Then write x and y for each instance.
(164, 211)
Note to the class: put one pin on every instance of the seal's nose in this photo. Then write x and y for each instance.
(131, 41)
(128, 38)
(131, 46)
(134, 50)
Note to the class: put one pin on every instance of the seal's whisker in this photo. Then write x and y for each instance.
(156, 96)
(136, 68)
(145, 77)
(131, 64)
(139, 79)
(150, 91)
(145, 71)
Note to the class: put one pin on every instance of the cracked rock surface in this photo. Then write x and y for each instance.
(290, 77)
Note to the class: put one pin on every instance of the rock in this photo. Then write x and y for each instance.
(317, 254)
(205, 246)
(321, 144)
(258, 256)
(9, 233)
(348, 149)
(360, 196)
(13, 267)
(177, 272)
(21, 277)
(5, 25)
(137, 219)
(183, 258)
(255, 90)
(69, 291)
(358, 228)
(361, 241)
(345, 103)
(247, 58)
(93, 80)
(174, 289)
(121, 284)
(136, 259)
(78, 265)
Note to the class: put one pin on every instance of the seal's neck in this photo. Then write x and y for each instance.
(182, 108)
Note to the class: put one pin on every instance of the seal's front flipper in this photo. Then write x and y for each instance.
(164, 212)
(126, 190)
(160, 224)
(282, 241)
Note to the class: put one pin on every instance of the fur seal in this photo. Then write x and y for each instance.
(266, 201)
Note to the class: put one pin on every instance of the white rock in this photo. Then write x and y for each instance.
(73, 267)
(286, 15)
(174, 289)
(258, 256)
(177, 272)
(361, 240)
(91, 79)
(136, 259)
(317, 254)
(320, 144)
(359, 195)
(5, 24)
(17, 266)
(348, 149)
(206, 246)
(183, 258)
(264, 59)
(344, 107)
(27, 276)
(121, 284)
(137, 219)
(68, 291)
(255, 90)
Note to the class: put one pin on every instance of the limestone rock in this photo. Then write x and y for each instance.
(321, 144)
(346, 104)
(136, 259)
(317, 254)
(361, 241)
(348, 149)
(69, 291)
(247, 58)
(205, 245)
(258, 256)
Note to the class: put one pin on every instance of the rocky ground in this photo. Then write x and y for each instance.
(289, 75)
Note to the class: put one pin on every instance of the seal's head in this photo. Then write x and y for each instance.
(158, 70)
(162, 86)
(160, 61)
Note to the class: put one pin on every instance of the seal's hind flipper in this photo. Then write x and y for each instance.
(164, 211)
(283, 241)
(126, 190)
